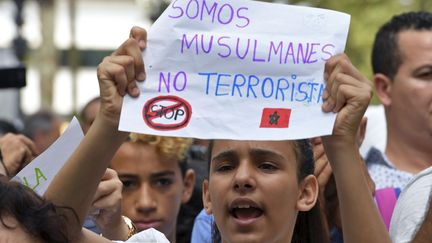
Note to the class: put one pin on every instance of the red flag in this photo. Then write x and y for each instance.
(275, 117)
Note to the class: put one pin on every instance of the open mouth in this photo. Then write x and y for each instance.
(245, 209)
(244, 212)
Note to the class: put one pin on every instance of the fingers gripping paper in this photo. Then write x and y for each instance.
(236, 70)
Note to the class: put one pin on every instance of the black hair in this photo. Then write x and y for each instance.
(41, 219)
(7, 127)
(386, 56)
(309, 227)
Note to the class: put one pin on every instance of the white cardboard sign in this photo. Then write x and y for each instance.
(219, 69)
(41, 171)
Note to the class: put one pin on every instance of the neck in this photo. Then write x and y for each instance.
(171, 238)
(409, 153)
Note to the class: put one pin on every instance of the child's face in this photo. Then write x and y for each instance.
(253, 190)
(153, 188)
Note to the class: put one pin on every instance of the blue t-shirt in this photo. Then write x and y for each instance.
(202, 228)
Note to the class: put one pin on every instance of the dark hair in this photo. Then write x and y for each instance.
(39, 218)
(386, 57)
(7, 127)
(39, 121)
(309, 227)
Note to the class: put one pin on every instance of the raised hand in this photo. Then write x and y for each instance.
(107, 207)
(348, 92)
(119, 72)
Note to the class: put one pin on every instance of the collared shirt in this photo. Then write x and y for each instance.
(384, 173)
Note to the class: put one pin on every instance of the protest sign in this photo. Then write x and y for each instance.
(236, 70)
(41, 171)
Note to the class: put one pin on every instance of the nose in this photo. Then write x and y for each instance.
(244, 179)
(145, 202)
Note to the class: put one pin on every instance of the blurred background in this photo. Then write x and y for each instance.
(49, 49)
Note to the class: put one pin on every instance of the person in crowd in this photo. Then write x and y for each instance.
(59, 215)
(329, 205)
(401, 61)
(16, 151)
(402, 66)
(341, 149)
(43, 128)
(156, 180)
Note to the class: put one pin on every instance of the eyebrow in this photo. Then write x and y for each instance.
(153, 175)
(162, 174)
(254, 152)
(258, 152)
(224, 154)
(126, 175)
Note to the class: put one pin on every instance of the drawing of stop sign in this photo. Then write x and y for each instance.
(167, 113)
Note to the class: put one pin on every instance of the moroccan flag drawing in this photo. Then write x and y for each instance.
(275, 118)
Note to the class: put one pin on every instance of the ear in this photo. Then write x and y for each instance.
(206, 197)
(383, 85)
(188, 182)
(308, 193)
(361, 132)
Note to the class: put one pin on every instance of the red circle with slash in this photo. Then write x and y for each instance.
(167, 113)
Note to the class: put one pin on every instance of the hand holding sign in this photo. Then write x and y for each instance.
(118, 72)
(348, 92)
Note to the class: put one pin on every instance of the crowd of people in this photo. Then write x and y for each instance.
(134, 187)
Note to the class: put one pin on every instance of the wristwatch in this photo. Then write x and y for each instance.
(132, 228)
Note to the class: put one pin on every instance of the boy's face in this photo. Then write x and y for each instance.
(253, 190)
(153, 187)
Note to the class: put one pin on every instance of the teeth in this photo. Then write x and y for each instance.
(243, 206)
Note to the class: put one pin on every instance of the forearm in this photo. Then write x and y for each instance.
(118, 230)
(77, 181)
(360, 217)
